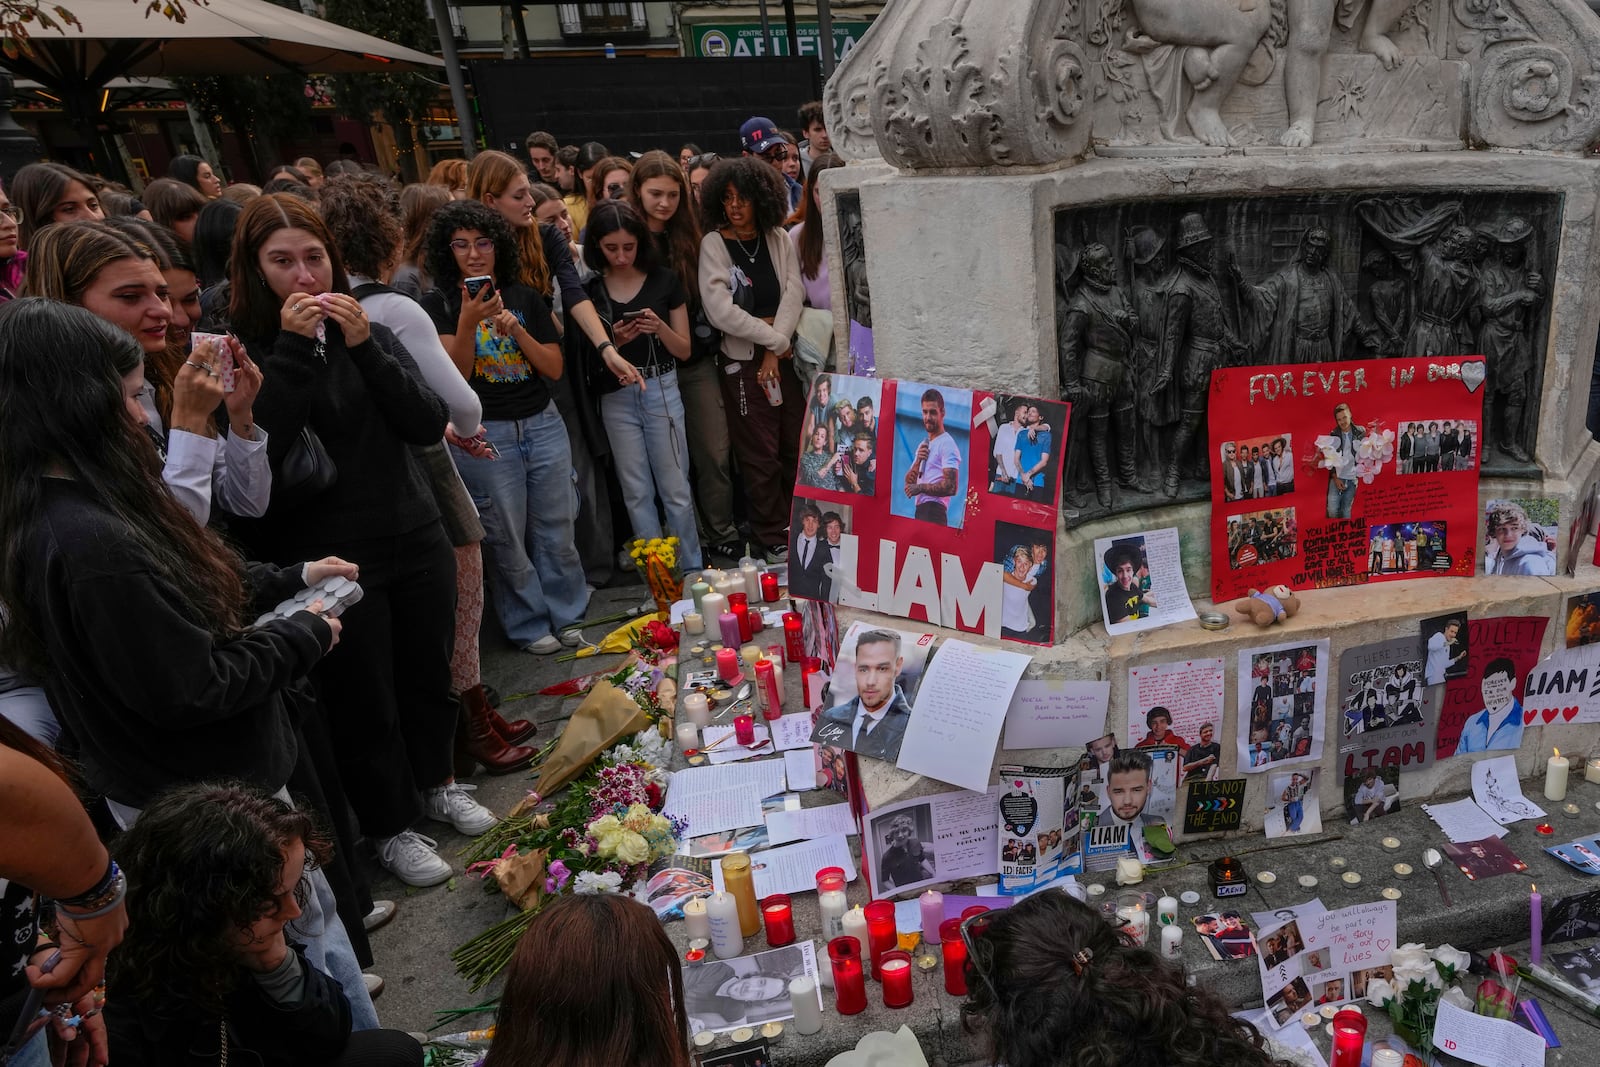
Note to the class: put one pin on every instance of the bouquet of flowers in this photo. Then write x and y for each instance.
(657, 560)
(1372, 452)
(600, 833)
(1421, 979)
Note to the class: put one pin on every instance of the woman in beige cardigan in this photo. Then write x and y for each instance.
(751, 289)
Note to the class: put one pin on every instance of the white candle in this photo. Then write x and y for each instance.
(693, 623)
(714, 605)
(696, 923)
(723, 912)
(698, 709)
(1167, 911)
(1172, 942)
(1555, 777)
(752, 580)
(1136, 922)
(833, 905)
(688, 736)
(855, 925)
(724, 586)
(803, 1002)
(1591, 771)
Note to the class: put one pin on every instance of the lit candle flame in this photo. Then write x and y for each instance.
(1558, 753)
(1533, 888)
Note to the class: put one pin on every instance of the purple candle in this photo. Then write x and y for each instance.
(932, 904)
(730, 629)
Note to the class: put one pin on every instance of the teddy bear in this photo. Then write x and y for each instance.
(1267, 606)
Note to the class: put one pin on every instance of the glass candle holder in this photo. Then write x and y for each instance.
(769, 588)
(894, 971)
(881, 933)
(741, 614)
(778, 915)
(955, 957)
(744, 729)
(793, 644)
(849, 983)
(739, 885)
(1349, 1038)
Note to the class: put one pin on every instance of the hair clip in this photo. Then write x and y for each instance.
(1081, 960)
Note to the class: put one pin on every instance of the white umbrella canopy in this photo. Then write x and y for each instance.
(119, 38)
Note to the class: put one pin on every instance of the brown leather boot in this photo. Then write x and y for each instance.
(478, 741)
(513, 732)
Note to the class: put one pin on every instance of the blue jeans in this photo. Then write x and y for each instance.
(651, 451)
(1294, 815)
(1341, 501)
(528, 502)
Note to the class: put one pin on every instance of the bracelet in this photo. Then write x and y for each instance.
(603, 345)
(106, 897)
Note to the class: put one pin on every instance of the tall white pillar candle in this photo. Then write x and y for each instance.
(803, 1002)
(723, 911)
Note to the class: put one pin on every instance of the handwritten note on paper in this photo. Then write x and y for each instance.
(1462, 820)
(1482, 1040)
(1356, 937)
(1193, 693)
(792, 731)
(956, 718)
(793, 868)
(714, 799)
(731, 751)
(808, 824)
(1056, 713)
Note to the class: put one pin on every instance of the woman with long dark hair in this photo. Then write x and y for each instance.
(359, 215)
(174, 205)
(503, 342)
(418, 202)
(13, 260)
(806, 233)
(594, 982)
(661, 194)
(131, 613)
(217, 882)
(197, 174)
(118, 276)
(751, 289)
(50, 192)
(1052, 984)
(646, 307)
(331, 371)
(211, 248)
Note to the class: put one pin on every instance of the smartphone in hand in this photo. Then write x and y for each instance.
(227, 368)
(478, 285)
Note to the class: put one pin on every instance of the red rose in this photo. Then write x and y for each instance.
(653, 796)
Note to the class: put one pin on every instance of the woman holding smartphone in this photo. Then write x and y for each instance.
(649, 318)
(501, 338)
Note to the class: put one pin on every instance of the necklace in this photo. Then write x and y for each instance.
(751, 256)
(223, 1027)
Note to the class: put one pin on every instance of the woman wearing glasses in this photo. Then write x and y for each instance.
(751, 289)
(13, 260)
(1052, 984)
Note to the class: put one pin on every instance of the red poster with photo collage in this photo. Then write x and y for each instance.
(931, 503)
(1330, 474)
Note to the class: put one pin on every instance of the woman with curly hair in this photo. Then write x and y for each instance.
(1052, 984)
(594, 982)
(359, 215)
(450, 175)
(50, 192)
(218, 887)
(751, 289)
(501, 338)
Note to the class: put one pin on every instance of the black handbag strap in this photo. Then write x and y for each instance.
(366, 289)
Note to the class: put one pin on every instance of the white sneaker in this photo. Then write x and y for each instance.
(382, 911)
(374, 985)
(544, 646)
(411, 858)
(572, 637)
(452, 804)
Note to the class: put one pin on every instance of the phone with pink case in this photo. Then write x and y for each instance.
(226, 368)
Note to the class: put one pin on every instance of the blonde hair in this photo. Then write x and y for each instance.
(491, 174)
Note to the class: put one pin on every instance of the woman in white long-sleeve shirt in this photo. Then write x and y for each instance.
(119, 277)
(366, 229)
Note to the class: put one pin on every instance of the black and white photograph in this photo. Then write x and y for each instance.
(904, 847)
(721, 995)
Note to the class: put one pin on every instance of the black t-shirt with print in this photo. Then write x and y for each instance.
(661, 292)
(507, 383)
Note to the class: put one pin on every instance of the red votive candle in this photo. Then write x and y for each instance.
(728, 665)
(808, 666)
(744, 729)
(741, 614)
(767, 680)
(769, 588)
(955, 957)
(777, 913)
(849, 984)
(880, 932)
(1349, 1038)
(793, 643)
(894, 970)
(738, 598)
(966, 913)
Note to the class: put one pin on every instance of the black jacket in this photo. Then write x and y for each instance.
(365, 403)
(150, 698)
(261, 1032)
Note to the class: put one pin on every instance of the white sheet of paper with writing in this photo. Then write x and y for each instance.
(956, 718)
(793, 868)
(1462, 820)
(809, 824)
(714, 799)
(1056, 713)
(1482, 1040)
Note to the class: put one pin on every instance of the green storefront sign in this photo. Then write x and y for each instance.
(744, 38)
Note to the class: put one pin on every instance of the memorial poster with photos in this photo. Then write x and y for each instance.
(1482, 710)
(1127, 805)
(1040, 836)
(1282, 691)
(1325, 958)
(1386, 715)
(930, 502)
(1342, 473)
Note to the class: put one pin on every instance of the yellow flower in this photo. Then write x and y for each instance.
(605, 824)
(632, 848)
(672, 541)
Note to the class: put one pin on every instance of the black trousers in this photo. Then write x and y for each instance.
(385, 689)
(379, 1048)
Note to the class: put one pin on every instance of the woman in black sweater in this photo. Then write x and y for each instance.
(348, 381)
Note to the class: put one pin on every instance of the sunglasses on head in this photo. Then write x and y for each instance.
(704, 159)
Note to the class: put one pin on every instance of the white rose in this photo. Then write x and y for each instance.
(1456, 996)
(1451, 956)
(1412, 956)
(1404, 976)
(1378, 991)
